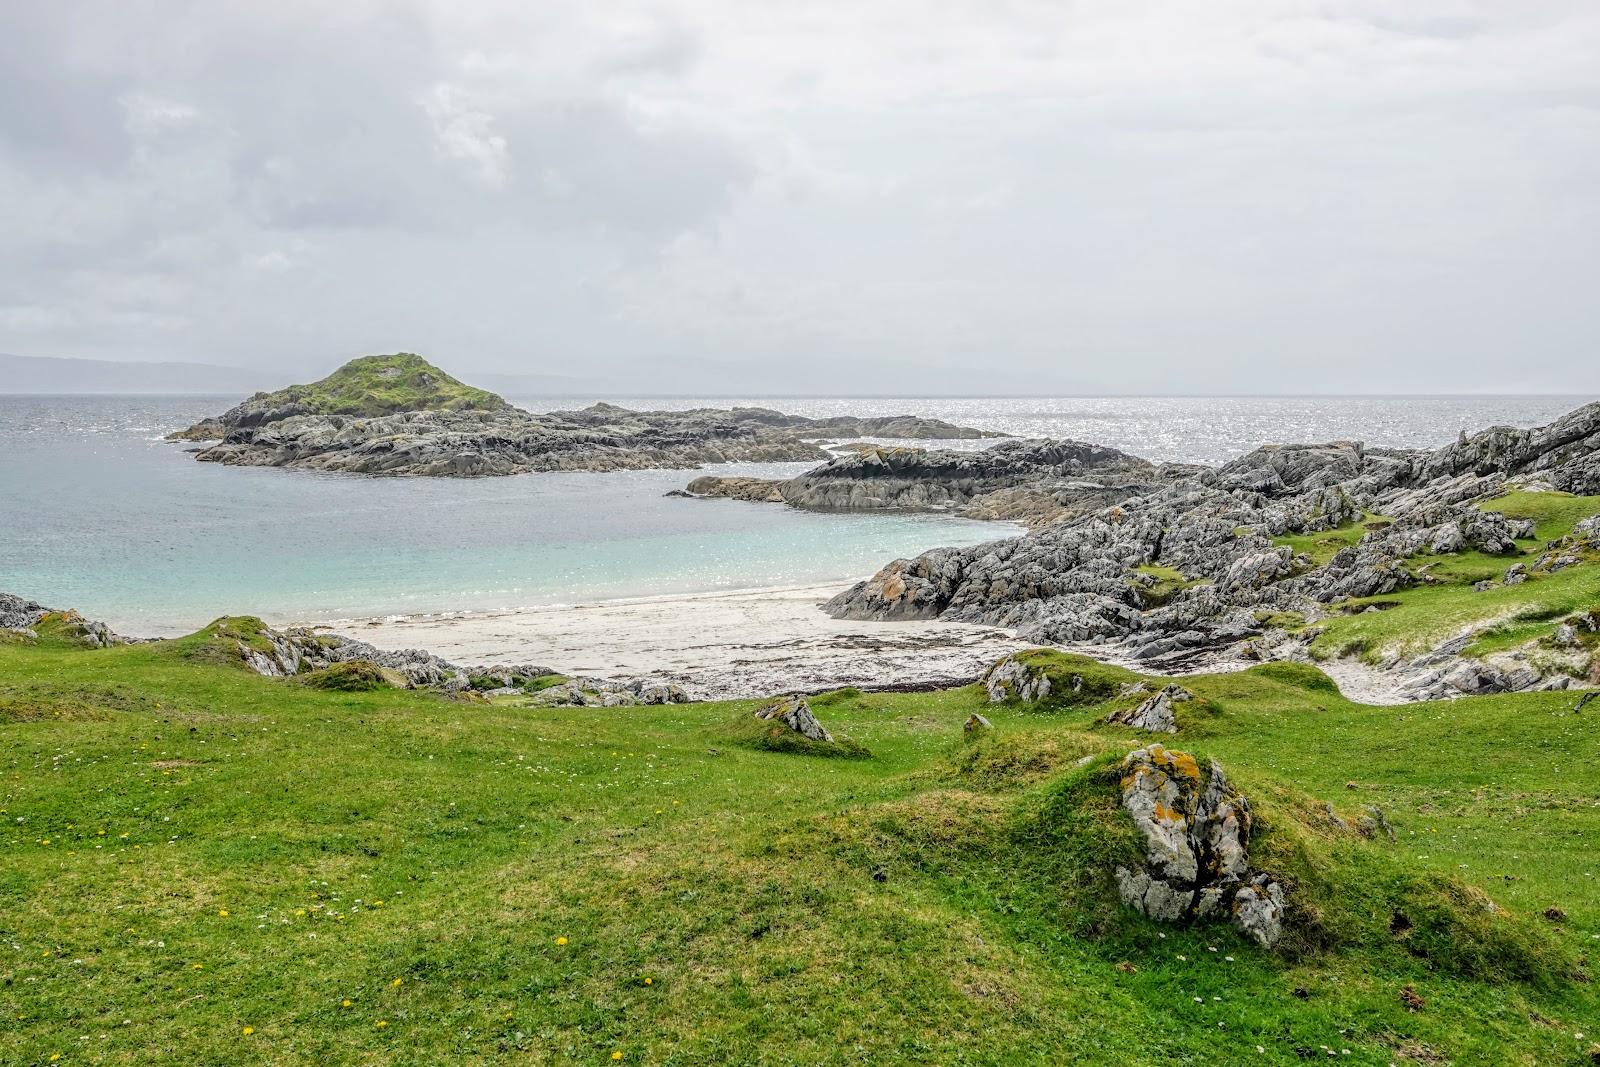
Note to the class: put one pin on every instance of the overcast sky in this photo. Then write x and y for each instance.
(864, 195)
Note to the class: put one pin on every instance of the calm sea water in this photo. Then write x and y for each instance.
(97, 513)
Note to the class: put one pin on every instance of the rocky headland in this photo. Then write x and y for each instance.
(400, 415)
(1198, 566)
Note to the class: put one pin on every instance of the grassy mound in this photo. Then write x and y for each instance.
(771, 736)
(351, 676)
(1075, 681)
(1004, 761)
(384, 385)
(219, 641)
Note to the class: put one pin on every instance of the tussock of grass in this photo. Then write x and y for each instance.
(351, 676)
(996, 762)
(769, 736)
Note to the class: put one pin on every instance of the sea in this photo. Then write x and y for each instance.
(99, 513)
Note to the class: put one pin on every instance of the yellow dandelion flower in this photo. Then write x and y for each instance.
(54, 1056)
(347, 1002)
(222, 913)
(300, 912)
(561, 941)
(248, 1031)
(197, 967)
(381, 1023)
(649, 981)
(397, 981)
(617, 1055)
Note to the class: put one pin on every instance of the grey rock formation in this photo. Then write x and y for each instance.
(598, 692)
(507, 440)
(21, 615)
(1013, 679)
(976, 724)
(1196, 830)
(1157, 714)
(1079, 581)
(758, 490)
(1034, 482)
(795, 713)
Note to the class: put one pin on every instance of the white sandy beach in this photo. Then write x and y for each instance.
(716, 645)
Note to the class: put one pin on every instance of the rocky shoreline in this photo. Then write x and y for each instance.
(1193, 569)
(1033, 482)
(438, 427)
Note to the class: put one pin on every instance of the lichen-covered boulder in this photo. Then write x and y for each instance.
(795, 713)
(1157, 714)
(1196, 829)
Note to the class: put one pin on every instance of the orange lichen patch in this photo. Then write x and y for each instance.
(1166, 814)
(894, 588)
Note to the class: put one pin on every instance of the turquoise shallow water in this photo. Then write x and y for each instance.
(97, 513)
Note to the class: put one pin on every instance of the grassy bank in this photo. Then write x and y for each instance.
(201, 865)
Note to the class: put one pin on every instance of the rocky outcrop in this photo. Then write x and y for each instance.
(293, 652)
(795, 713)
(757, 490)
(976, 724)
(1084, 580)
(1012, 678)
(597, 692)
(353, 421)
(1157, 714)
(1033, 482)
(23, 616)
(1196, 830)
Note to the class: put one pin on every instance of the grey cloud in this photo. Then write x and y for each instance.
(1074, 198)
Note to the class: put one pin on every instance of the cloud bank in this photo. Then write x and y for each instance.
(1244, 196)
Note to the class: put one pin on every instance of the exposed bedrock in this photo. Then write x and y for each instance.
(1034, 482)
(1191, 565)
(400, 415)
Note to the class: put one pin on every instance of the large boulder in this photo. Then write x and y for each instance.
(1196, 830)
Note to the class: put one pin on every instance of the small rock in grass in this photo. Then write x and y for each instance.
(795, 713)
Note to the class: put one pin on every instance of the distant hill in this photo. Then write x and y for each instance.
(41, 374)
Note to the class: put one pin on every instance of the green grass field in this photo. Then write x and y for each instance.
(199, 865)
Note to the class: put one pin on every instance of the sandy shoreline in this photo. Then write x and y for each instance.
(716, 645)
